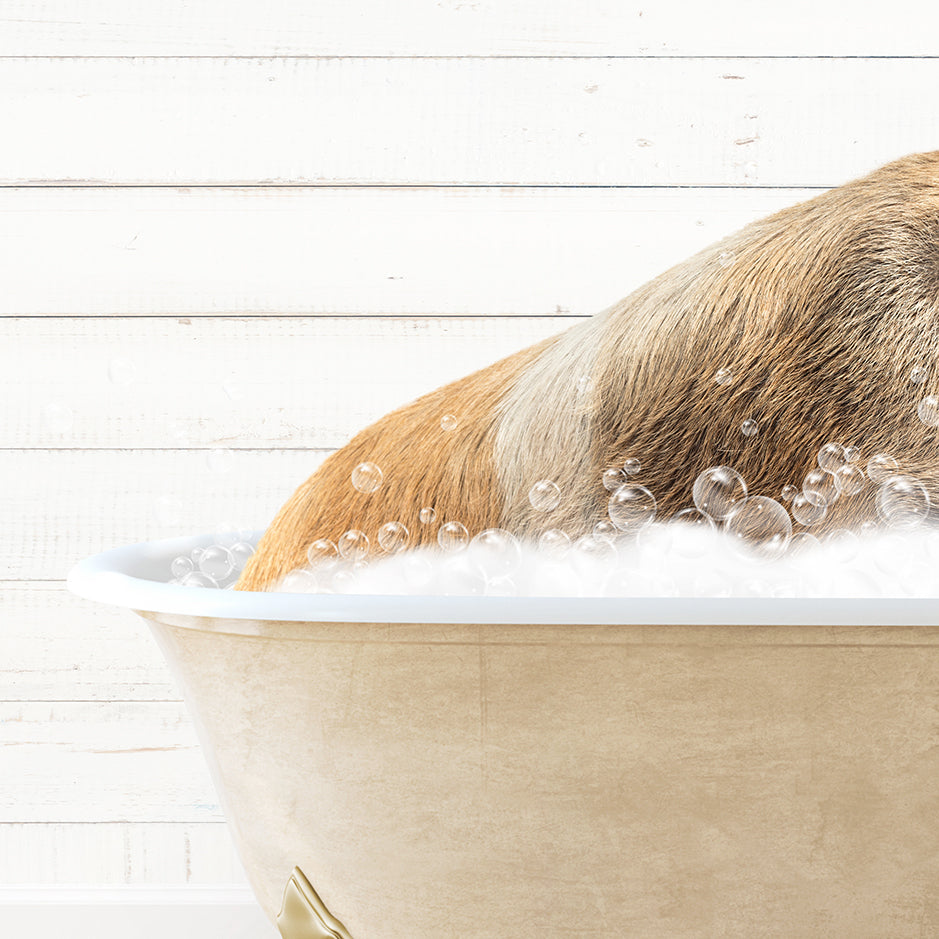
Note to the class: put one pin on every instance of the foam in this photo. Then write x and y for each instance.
(665, 560)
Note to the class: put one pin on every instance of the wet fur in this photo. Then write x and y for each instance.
(823, 312)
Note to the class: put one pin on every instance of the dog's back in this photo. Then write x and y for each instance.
(819, 313)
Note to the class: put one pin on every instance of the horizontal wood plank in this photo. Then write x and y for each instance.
(82, 761)
(118, 853)
(540, 121)
(60, 506)
(351, 251)
(297, 382)
(55, 646)
(463, 27)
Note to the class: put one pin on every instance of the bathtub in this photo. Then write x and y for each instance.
(478, 767)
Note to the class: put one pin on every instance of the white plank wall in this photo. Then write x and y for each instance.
(233, 234)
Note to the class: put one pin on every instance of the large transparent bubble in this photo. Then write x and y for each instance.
(902, 502)
(762, 526)
(718, 491)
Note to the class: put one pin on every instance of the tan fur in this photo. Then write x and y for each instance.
(422, 464)
(822, 313)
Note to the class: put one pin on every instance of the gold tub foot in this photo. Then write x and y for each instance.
(303, 915)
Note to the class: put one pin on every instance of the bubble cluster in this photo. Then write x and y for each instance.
(613, 478)
(821, 483)
(216, 565)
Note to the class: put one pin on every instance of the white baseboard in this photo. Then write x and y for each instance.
(132, 912)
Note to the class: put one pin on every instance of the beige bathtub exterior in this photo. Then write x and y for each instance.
(588, 781)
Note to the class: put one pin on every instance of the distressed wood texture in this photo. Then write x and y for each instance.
(116, 497)
(103, 761)
(464, 27)
(280, 251)
(602, 122)
(117, 853)
(297, 383)
(55, 646)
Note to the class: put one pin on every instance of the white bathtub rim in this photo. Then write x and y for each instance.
(130, 576)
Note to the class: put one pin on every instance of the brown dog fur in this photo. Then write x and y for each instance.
(820, 315)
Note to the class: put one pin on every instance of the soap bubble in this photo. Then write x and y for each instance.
(555, 542)
(181, 566)
(353, 545)
(723, 376)
(808, 508)
(195, 554)
(321, 551)
(695, 517)
(219, 460)
(605, 529)
(588, 550)
(452, 536)
(393, 537)
(762, 525)
(299, 580)
(902, 502)
(631, 466)
(918, 374)
(850, 480)
(496, 552)
(717, 490)
(749, 428)
(427, 515)
(726, 258)
(544, 495)
(57, 418)
(240, 552)
(631, 508)
(120, 371)
(613, 478)
(217, 562)
(822, 484)
(198, 579)
(802, 543)
(366, 477)
(789, 492)
(928, 410)
(449, 422)
(881, 467)
(832, 457)
(852, 454)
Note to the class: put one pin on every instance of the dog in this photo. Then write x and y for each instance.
(807, 324)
